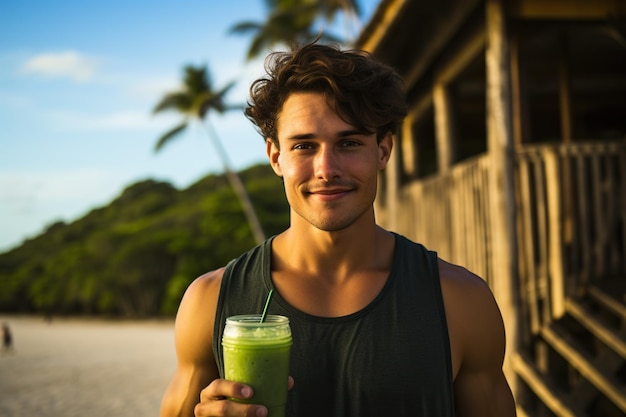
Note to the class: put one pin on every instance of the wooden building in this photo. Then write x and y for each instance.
(512, 162)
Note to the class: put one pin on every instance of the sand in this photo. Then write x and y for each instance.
(83, 368)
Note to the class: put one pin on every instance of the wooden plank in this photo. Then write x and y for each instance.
(501, 151)
(599, 216)
(607, 301)
(520, 412)
(622, 165)
(470, 246)
(479, 221)
(602, 382)
(582, 224)
(595, 326)
(565, 9)
(541, 240)
(445, 134)
(384, 20)
(555, 244)
(529, 283)
(519, 101)
(565, 102)
(548, 394)
(408, 151)
(612, 202)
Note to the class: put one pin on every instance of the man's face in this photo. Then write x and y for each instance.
(329, 168)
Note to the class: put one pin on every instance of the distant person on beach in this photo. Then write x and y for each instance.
(7, 338)
(381, 326)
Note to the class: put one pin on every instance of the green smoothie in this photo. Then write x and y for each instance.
(257, 354)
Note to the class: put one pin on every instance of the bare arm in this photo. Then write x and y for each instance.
(196, 366)
(477, 340)
(195, 388)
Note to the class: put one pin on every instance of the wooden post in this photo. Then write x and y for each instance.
(565, 107)
(393, 184)
(501, 153)
(444, 127)
(519, 99)
(564, 92)
(557, 278)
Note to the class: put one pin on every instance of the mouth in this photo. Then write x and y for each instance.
(330, 193)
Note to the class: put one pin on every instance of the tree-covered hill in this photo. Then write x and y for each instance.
(136, 256)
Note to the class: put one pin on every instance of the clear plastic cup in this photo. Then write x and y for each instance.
(257, 354)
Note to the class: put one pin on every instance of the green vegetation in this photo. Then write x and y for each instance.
(136, 256)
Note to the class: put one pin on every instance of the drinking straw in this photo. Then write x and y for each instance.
(267, 303)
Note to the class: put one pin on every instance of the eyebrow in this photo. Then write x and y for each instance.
(341, 134)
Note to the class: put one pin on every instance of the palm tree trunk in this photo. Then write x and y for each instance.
(238, 187)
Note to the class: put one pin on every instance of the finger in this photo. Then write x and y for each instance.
(220, 388)
(225, 407)
(214, 400)
(291, 382)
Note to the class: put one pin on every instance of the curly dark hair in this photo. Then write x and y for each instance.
(366, 93)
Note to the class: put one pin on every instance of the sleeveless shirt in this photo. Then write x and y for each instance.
(392, 358)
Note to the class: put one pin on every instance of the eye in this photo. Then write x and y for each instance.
(302, 146)
(350, 143)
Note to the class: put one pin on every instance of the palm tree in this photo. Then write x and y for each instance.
(292, 21)
(194, 101)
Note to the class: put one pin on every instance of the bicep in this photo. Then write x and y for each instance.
(481, 388)
(475, 322)
(196, 366)
(482, 394)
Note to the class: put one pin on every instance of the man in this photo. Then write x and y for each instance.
(381, 326)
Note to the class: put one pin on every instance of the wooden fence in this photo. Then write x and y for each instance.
(571, 239)
(449, 213)
(571, 221)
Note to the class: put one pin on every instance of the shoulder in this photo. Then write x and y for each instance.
(196, 315)
(202, 291)
(475, 324)
(477, 344)
(462, 285)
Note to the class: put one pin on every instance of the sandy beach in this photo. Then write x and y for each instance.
(75, 367)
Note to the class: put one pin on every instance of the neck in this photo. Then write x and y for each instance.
(333, 254)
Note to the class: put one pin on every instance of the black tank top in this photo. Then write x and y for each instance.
(392, 358)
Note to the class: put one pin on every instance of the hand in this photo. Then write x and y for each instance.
(214, 400)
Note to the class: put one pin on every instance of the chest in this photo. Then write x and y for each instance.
(359, 366)
(327, 298)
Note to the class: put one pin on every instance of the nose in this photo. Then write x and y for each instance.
(327, 164)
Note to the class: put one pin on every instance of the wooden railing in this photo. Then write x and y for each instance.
(571, 221)
(571, 238)
(571, 212)
(449, 213)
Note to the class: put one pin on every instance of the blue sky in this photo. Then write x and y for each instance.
(78, 81)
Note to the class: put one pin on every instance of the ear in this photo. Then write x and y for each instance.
(384, 150)
(273, 154)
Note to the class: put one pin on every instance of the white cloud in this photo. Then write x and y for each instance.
(70, 64)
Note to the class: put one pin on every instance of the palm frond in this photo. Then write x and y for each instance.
(245, 27)
(179, 101)
(219, 103)
(170, 135)
(197, 79)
